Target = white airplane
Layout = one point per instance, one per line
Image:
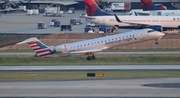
(96, 15)
(12, 5)
(149, 8)
(89, 47)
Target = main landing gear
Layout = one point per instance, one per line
(156, 41)
(89, 58)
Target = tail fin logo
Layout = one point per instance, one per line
(161, 7)
(92, 9)
(148, 5)
(40, 49)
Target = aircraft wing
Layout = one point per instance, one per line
(138, 24)
(143, 13)
(143, 25)
(86, 51)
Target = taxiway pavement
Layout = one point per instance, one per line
(92, 68)
(124, 88)
(19, 23)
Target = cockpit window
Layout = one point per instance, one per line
(151, 31)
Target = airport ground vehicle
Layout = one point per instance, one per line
(53, 12)
(75, 21)
(41, 25)
(55, 23)
(66, 27)
(118, 7)
(32, 12)
(71, 10)
(90, 24)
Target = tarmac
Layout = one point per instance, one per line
(117, 88)
(23, 24)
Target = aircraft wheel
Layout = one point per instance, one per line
(89, 58)
(156, 43)
(93, 57)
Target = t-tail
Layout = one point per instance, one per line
(148, 5)
(41, 49)
(92, 9)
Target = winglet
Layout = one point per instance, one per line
(117, 19)
(135, 13)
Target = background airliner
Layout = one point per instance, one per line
(158, 10)
(96, 15)
(147, 7)
(12, 5)
(89, 47)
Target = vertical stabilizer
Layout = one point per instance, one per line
(92, 9)
(148, 5)
(41, 49)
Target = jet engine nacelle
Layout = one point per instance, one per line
(60, 48)
(157, 28)
(52, 48)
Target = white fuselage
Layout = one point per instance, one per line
(164, 21)
(165, 13)
(156, 12)
(110, 41)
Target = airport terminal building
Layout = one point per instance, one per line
(79, 4)
(135, 4)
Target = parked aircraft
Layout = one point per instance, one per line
(96, 15)
(149, 7)
(89, 47)
(12, 5)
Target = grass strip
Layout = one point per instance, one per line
(38, 76)
(81, 60)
